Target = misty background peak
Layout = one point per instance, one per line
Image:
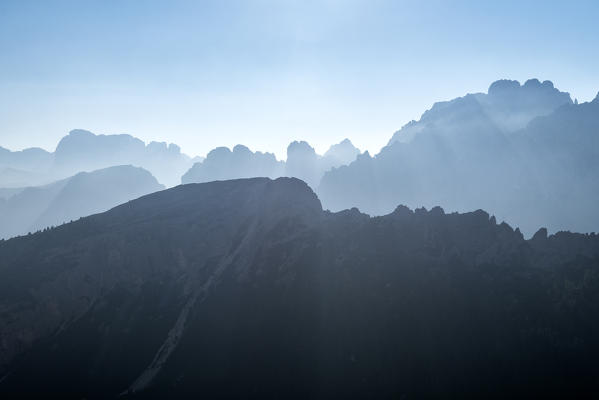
(522, 152)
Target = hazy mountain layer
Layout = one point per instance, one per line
(508, 106)
(248, 289)
(526, 153)
(5, 193)
(302, 162)
(222, 163)
(11, 178)
(86, 193)
(468, 154)
(81, 151)
(24, 168)
(33, 159)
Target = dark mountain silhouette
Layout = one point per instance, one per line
(81, 151)
(36, 208)
(302, 162)
(525, 153)
(247, 288)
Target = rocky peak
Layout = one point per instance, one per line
(502, 86)
(300, 148)
(540, 235)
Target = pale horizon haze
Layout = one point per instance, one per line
(203, 74)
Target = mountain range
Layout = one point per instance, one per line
(302, 162)
(526, 153)
(34, 208)
(83, 151)
(39, 206)
(247, 288)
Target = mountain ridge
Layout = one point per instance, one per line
(248, 286)
(302, 162)
(458, 156)
(35, 208)
(84, 151)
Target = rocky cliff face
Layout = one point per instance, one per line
(247, 288)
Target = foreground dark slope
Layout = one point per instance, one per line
(247, 288)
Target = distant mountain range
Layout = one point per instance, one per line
(27, 204)
(247, 288)
(81, 151)
(526, 153)
(34, 208)
(507, 107)
(302, 162)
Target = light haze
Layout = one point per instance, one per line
(204, 74)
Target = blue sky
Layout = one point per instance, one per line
(263, 73)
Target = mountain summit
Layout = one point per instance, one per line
(508, 106)
(523, 152)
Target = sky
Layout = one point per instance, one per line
(203, 74)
